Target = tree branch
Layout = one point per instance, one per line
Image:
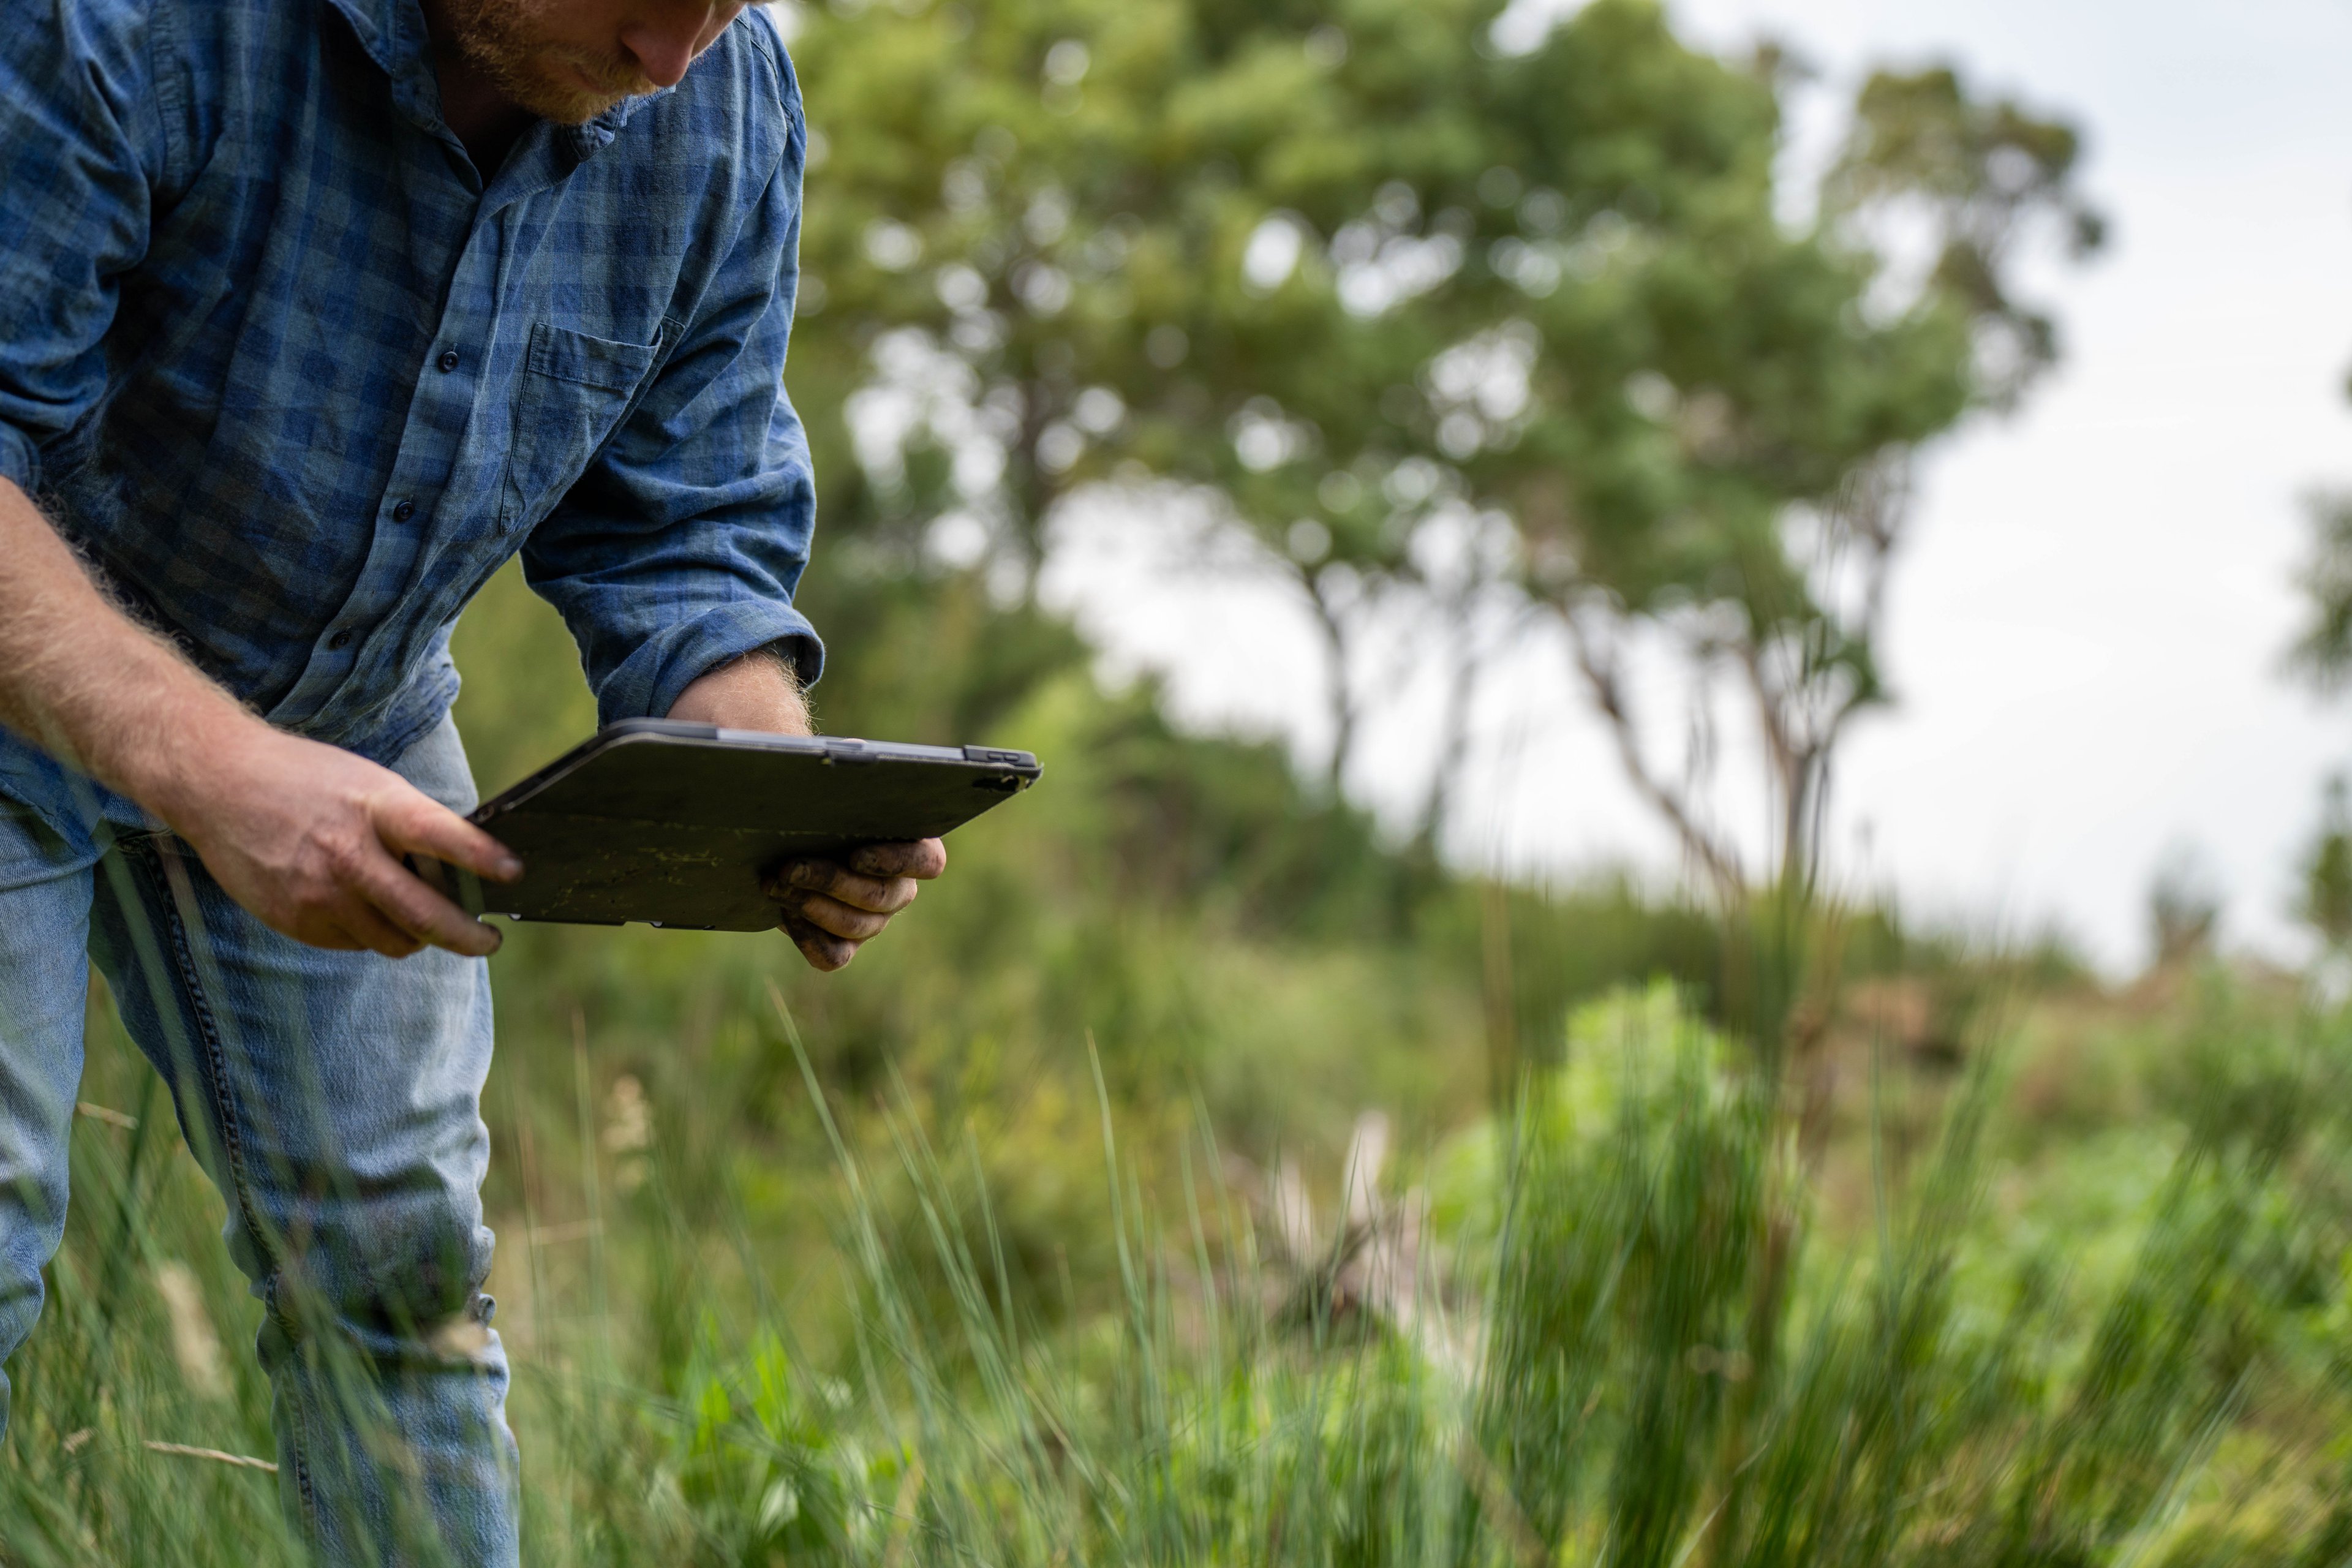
(1720, 863)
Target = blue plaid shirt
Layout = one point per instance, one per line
(297, 378)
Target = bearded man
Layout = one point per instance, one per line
(312, 313)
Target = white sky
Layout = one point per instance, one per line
(2086, 631)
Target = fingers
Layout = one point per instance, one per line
(329, 934)
(418, 913)
(824, 914)
(364, 928)
(923, 859)
(824, 951)
(411, 822)
(414, 823)
(877, 895)
(829, 908)
(840, 919)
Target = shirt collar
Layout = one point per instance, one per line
(391, 31)
(590, 137)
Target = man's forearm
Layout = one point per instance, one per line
(87, 684)
(757, 691)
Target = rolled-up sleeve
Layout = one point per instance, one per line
(81, 145)
(681, 546)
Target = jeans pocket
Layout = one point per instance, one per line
(576, 388)
(33, 850)
(436, 765)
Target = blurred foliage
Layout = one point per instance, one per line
(1988, 174)
(2321, 655)
(2327, 870)
(1491, 331)
(2320, 658)
(2184, 905)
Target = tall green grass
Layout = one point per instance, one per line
(1620, 1330)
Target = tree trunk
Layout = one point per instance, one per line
(1453, 740)
(1338, 694)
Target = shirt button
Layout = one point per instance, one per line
(404, 511)
(448, 359)
(340, 640)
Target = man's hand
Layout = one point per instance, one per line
(306, 837)
(829, 908)
(312, 839)
(832, 910)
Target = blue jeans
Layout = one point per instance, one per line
(333, 1098)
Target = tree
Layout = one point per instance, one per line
(2184, 906)
(1796, 447)
(2327, 870)
(2320, 658)
(1039, 248)
(1700, 422)
(1456, 334)
(2321, 655)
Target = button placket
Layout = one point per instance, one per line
(404, 509)
(389, 607)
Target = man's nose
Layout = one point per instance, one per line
(665, 42)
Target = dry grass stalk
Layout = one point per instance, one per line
(186, 1451)
(195, 1345)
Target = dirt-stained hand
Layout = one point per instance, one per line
(832, 908)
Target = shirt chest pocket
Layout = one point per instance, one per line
(575, 390)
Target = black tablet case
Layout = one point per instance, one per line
(677, 825)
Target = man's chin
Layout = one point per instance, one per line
(571, 106)
(564, 95)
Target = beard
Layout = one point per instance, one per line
(509, 42)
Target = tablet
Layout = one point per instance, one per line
(677, 825)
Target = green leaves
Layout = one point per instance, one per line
(1356, 274)
(1983, 176)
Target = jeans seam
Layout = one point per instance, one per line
(207, 1031)
(298, 1454)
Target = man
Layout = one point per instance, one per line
(311, 313)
